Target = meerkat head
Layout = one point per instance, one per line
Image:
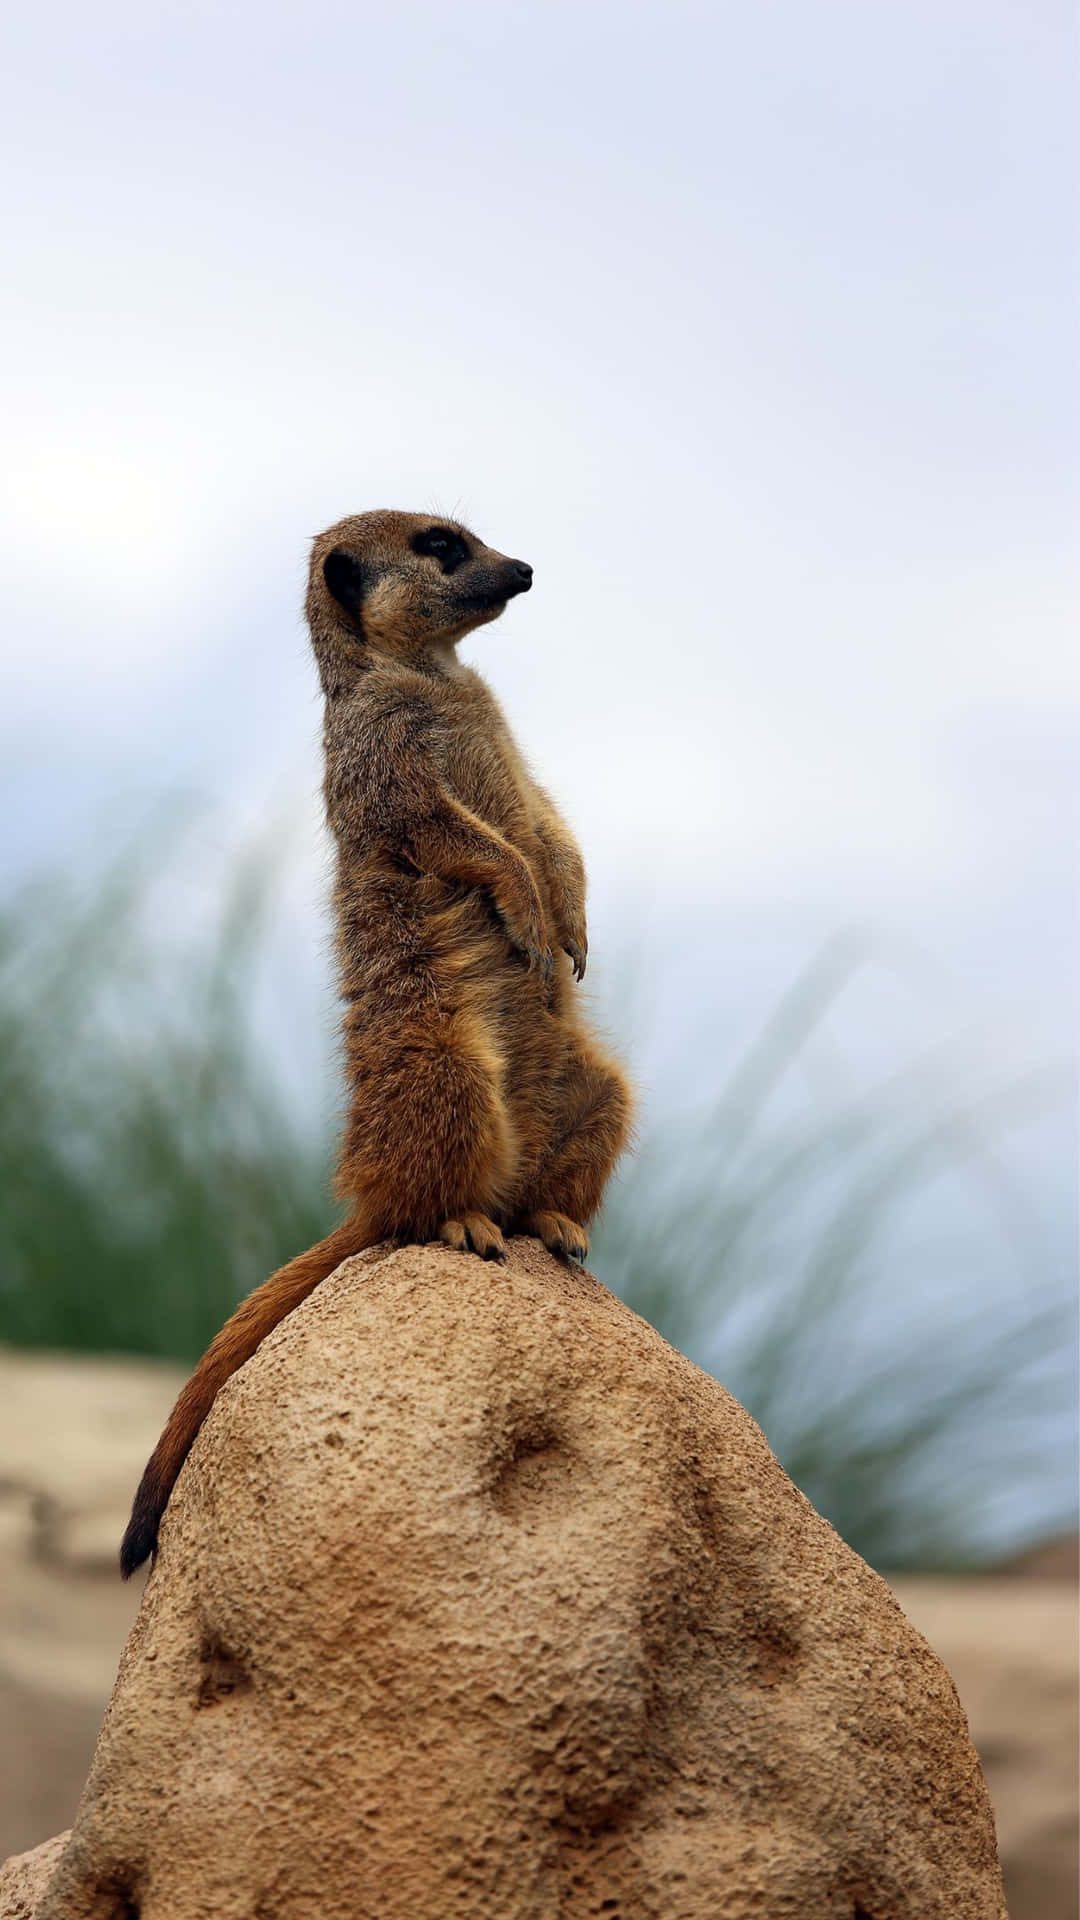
(403, 584)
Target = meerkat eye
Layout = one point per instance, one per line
(443, 545)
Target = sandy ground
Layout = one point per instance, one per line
(74, 1436)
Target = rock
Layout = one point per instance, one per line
(475, 1597)
(24, 1878)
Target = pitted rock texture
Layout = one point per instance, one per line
(25, 1877)
(476, 1598)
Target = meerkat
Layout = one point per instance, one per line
(480, 1104)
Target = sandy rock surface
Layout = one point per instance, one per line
(24, 1879)
(477, 1598)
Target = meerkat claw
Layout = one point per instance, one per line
(474, 1233)
(577, 957)
(560, 1235)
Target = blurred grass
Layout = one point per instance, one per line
(924, 1404)
(151, 1172)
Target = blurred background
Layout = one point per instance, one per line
(752, 330)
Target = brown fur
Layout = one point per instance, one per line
(480, 1103)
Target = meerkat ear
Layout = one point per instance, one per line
(347, 580)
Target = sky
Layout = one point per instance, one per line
(751, 328)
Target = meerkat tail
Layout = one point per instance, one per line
(254, 1318)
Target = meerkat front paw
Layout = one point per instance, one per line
(572, 937)
(579, 953)
(533, 945)
(528, 936)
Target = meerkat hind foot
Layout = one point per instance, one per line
(559, 1233)
(474, 1233)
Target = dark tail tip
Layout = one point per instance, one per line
(140, 1540)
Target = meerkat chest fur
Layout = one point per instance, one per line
(484, 763)
(396, 734)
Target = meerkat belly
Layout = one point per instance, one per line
(417, 954)
(408, 941)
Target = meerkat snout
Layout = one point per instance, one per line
(491, 581)
(513, 577)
